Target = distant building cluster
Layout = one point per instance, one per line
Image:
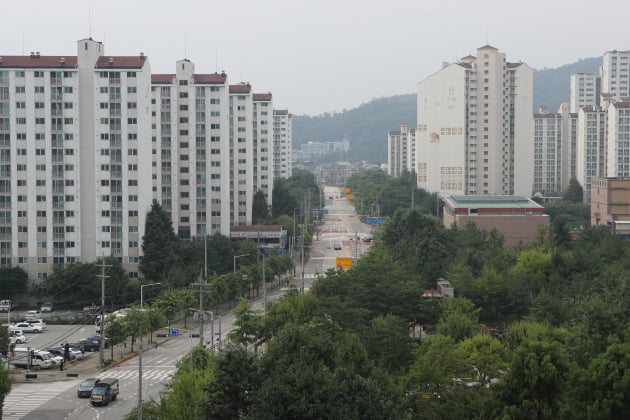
(314, 150)
(89, 141)
(476, 134)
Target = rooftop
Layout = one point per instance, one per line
(491, 201)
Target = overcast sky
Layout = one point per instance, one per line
(325, 55)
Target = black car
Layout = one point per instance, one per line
(86, 387)
(87, 345)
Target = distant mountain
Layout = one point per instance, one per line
(366, 126)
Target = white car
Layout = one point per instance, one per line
(27, 328)
(18, 339)
(37, 322)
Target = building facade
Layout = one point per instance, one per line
(282, 144)
(615, 74)
(88, 141)
(401, 150)
(475, 127)
(516, 217)
(610, 204)
(584, 91)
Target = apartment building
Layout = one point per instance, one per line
(75, 151)
(401, 150)
(263, 144)
(591, 147)
(615, 74)
(282, 144)
(555, 151)
(475, 127)
(191, 138)
(618, 139)
(584, 91)
(88, 141)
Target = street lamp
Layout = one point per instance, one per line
(142, 286)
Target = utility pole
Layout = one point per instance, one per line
(140, 352)
(102, 276)
(264, 293)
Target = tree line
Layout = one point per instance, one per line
(537, 331)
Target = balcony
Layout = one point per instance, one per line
(59, 251)
(5, 220)
(114, 96)
(56, 96)
(115, 127)
(56, 80)
(57, 173)
(114, 80)
(59, 220)
(56, 127)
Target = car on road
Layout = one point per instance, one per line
(105, 391)
(47, 307)
(27, 328)
(337, 247)
(31, 314)
(86, 387)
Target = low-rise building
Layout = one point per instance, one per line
(610, 204)
(516, 217)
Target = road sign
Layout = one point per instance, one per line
(174, 332)
(343, 262)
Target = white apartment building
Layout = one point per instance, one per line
(591, 147)
(475, 127)
(615, 74)
(401, 150)
(618, 140)
(263, 144)
(75, 151)
(282, 144)
(192, 147)
(584, 91)
(554, 150)
(87, 142)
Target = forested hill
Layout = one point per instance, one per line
(367, 125)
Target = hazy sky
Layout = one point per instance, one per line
(325, 55)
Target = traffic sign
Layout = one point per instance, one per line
(174, 332)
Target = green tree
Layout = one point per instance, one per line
(459, 319)
(485, 355)
(5, 386)
(260, 208)
(283, 200)
(117, 331)
(159, 245)
(534, 384)
(575, 192)
(14, 281)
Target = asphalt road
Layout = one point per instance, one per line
(57, 400)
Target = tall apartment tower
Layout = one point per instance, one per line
(591, 146)
(475, 127)
(618, 139)
(263, 144)
(554, 150)
(282, 144)
(401, 150)
(585, 91)
(74, 150)
(615, 74)
(191, 139)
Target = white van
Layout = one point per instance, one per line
(31, 314)
(22, 359)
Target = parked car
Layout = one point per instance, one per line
(78, 349)
(59, 351)
(86, 387)
(17, 337)
(37, 322)
(28, 328)
(87, 345)
(337, 247)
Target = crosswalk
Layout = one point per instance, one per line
(158, 374)
(26, 398)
